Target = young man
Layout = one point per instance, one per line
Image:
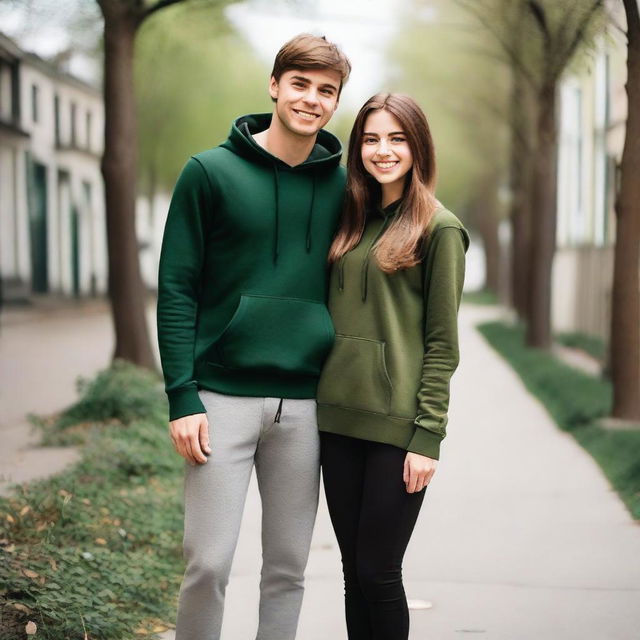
(243, 332)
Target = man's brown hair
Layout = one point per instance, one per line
(307, 51)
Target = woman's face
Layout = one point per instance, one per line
(385, 150)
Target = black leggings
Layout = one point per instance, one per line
(373, 517)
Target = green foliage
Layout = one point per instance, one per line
(482, 296)
(194, 75)
(99, 546)
(116, 396)
(576, 401)
(593, 345)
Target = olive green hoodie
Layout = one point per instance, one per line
(243, 272)
(387, 377)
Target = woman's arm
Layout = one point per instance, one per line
(443, 279)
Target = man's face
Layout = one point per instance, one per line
(305, 99)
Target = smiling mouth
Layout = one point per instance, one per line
(306, 115)
(386, 165)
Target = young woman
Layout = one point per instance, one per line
(398, 268)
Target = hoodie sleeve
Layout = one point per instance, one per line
(181, 262)
(444, 277)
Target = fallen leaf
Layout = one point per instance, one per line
(31, 628)
(101, 541)
(104, 510)
(53, 563)
(21, 607)
(159, 628)
(86, 501)
(30, 574)
(42, 525)
(10, 518)
(64, 493)
(116, 522)
(11, 548)
(141, 631)
(25, 510)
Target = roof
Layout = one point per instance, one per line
(11, 52)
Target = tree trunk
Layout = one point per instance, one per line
(486, 220)
(625, 297)
(126, 290)
(520, 185)
(520, 174)
(543, 220)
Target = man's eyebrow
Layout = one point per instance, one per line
(307, 81)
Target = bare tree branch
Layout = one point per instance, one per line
(578, 37)
(513, 55)
(538, 13)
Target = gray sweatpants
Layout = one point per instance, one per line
(242, 433)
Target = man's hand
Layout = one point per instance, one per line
(418, 471)
(190, 437)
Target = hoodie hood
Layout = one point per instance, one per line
(326, 152)
(324, 156)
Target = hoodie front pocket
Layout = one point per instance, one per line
(355, 375)
(268, 333)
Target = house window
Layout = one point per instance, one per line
(74, 113)
(88, 129)
(56, 115)
(35, 98)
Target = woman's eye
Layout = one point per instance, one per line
(397, 139)
(369, 140)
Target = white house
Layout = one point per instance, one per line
(593, 108)
(52, 227)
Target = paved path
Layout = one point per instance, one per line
(520, 538)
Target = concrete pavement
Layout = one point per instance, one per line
(520, 538)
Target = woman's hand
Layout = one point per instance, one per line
(418, 471)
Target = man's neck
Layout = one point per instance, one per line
(285, 145)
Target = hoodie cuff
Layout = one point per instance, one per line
(184, 402)
(426, 443)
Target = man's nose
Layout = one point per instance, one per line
(311, 96)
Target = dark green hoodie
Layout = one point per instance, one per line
(387, 378)
(243, 273)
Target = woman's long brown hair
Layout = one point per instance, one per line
(399, 247)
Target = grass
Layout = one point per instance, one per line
(576, 401)
(595, 346)
(481, 296)
(97, 548)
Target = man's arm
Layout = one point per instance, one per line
(181, 263)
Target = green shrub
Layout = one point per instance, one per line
(595, 346)
(98, 547)
(117, 396)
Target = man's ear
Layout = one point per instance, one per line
(273, 88)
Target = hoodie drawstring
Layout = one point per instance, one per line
(276, 243)
(364, 274)
(310, 216)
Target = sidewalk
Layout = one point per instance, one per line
(520, 537)
(43, 350)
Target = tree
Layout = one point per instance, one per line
(122, 20)
(465, 103)
(625, 297)
(554, 32)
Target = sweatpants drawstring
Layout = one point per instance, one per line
(279, 411)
